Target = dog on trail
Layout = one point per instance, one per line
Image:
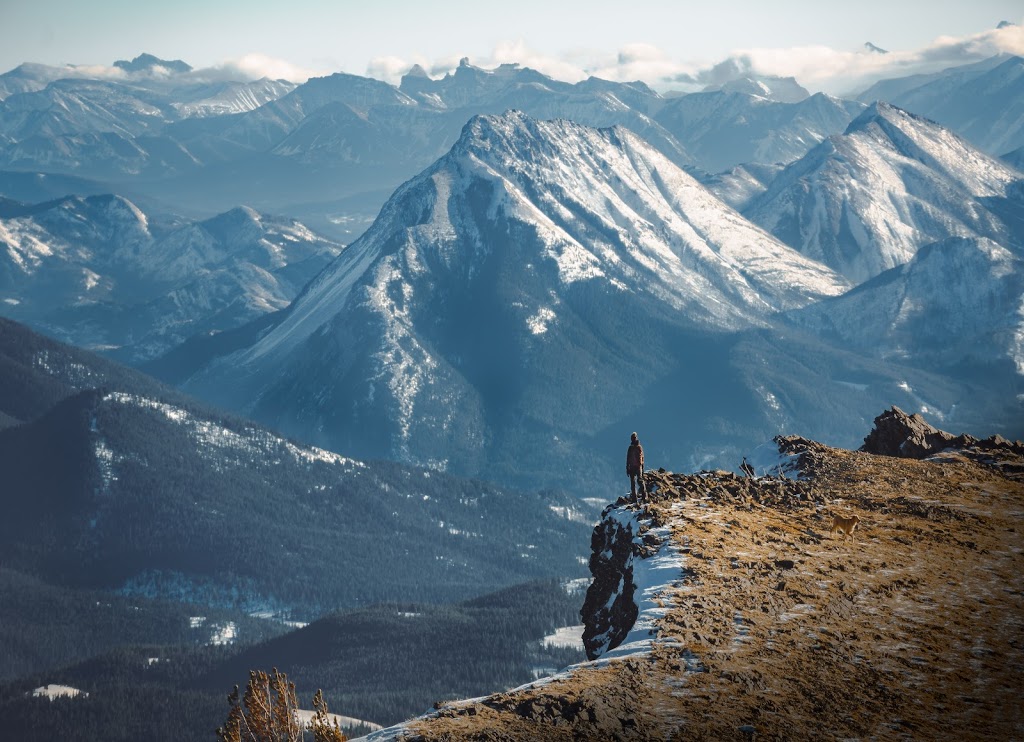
(845, 526)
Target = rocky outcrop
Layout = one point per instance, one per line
(911, 437)
(630, 531)
(609, 610)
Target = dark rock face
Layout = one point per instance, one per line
(911, 437)
(905, 436)
(609, 610)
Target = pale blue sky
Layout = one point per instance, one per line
(381, 37)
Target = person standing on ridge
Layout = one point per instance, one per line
(635, 465)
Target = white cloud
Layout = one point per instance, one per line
(255, 66)
(95, 71)
(823, 68)
(815, 67)
(510, 52)
(243, 69)
(632, 62)
(391, 69)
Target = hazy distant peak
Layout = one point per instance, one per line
(874, 49)
(601, 83)
(235, 218)
(1005, 24)
(146, 62)
(417, 71)
(770, 87)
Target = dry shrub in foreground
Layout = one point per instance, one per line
(267, 713)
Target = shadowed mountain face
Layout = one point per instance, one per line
(117, 483)
(723, 129)
(955, 302)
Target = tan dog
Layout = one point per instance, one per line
(844, 525)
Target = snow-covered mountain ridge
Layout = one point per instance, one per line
(95, 270)
(602, 205)
(983, 102)
(865, 201)
(955, 301)
(530, 240)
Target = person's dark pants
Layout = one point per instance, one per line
(633, 477)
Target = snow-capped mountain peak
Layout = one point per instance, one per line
(866, 201)
(507, 253)
(934, 146)
(598, 204)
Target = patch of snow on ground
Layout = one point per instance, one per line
(224, 633)
(798, 610)
(305, 718)
(567, 636)
(768, 461)
(653, 577)
(570, 513)
(105, 459)
(579, 585)
(57, 691)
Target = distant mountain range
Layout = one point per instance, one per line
(865, 201)
(983, 102)
(461, 329)
(98, 272)
(724, 128)
(545, 285)
(332, 149)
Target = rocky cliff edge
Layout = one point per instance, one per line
(724, 607)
